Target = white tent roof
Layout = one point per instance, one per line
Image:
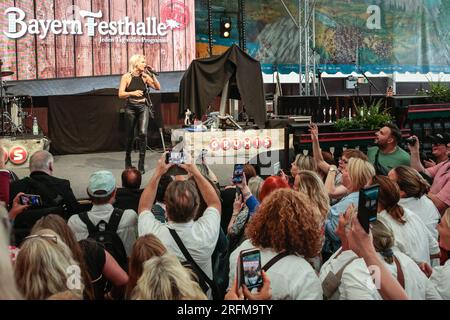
(397, 77)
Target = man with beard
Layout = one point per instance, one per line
(387, 155)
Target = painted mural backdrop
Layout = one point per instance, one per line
(379, 35)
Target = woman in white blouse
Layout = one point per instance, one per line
(402, 267)
(412, 237)
(360, 282)
(440, 275)
(413, 193)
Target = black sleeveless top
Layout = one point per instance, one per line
(136, 83)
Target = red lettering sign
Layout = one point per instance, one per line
(247, 143)
(267, 142)
(237, 144)
(257, 143)
(18, 155)
(226, 144)
(214, 145)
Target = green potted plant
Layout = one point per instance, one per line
(366, 117)
(438, 91)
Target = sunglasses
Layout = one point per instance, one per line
(43, 236)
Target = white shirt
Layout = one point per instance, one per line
(356, 282)
(417, 285)
(441, 280)
(126, 230)
(413, 237)
(199, 237)
(425, 209)
(291, 278)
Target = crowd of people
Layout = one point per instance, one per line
(181, 236)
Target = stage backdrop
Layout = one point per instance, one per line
(382, 35)
(77, 38)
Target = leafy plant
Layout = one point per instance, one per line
(366, 117)
(438, 91)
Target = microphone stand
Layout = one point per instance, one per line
(369, 81)
(321, 84)
(152, 112)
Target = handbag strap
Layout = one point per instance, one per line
(189, 258)
(274, 260)
(400, 275)
(342, 269)
(381, 170)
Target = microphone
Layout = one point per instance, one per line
(150, 70)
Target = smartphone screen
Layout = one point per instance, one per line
(251, 268)
(238, 173)
(31, 199)
(175, 157)
(368, 205)
(276, 168)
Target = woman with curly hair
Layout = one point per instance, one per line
(286, 222)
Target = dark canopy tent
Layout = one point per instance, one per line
(205, 79)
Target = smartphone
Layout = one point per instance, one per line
(238, 173)
(31, 199)
(175, 157)
(276, 168)
(368, 205)
(250, 268)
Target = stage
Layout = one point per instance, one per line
(78, 167)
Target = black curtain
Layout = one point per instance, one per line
(205, 79)
(83, 124)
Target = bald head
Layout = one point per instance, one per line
(42, 161)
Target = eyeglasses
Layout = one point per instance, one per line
(343, 160)
(43, 236)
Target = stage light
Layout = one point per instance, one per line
(225, 27)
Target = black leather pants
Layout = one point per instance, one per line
(137, 118)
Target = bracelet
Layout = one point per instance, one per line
(332, 170)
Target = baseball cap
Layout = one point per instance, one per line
(440, 138)
(101, 184)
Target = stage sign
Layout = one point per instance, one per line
(17, 152)
(232, 146)
(79, 38)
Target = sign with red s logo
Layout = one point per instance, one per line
(18, 155)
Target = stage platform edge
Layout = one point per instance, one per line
(18, 150)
